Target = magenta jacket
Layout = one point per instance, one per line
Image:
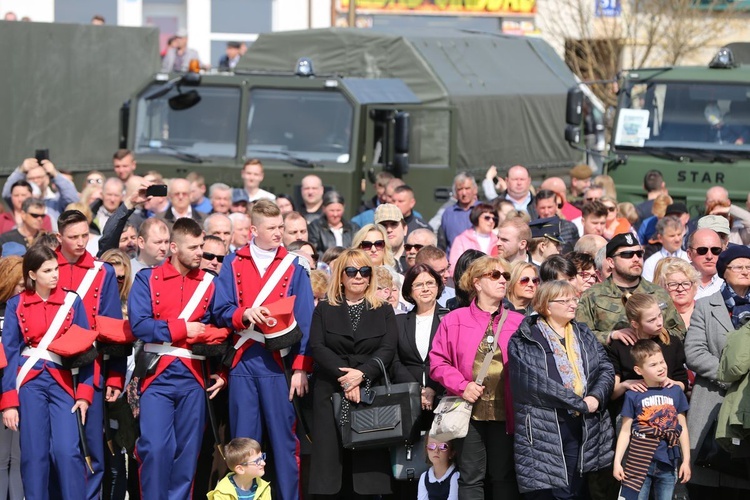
(455, 347)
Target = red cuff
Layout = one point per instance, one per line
(177, 329)
(302, 362)
(86, 392)
(237, 321)
(115, 379)
(224, 374)
(9, 400)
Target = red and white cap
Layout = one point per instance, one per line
(280, 329)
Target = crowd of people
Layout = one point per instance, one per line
(141, 330)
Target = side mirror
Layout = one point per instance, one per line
(401, 133)
(184, 101)
(400, 164)
(574, 106)
(573, 134)
(124, 124)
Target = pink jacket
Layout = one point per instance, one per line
(467, 241)
(455, 347)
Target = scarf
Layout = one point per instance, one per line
(641, 452)
(738, 307)
(567, 357)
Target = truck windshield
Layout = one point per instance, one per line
(690, 115)
(315, 125)
(209, 128)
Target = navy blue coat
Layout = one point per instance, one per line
(538, 448)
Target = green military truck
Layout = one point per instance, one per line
(690, 123)
(63, 85)
(345, 104)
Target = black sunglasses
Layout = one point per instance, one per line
(36, 216)
(212, 256)
(120, 278)
(704, 250)
(366, 245)
(409, 246)
(496, 275)
(364, 271)
(629, 254)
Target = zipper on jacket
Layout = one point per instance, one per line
(585, 429)
(557, 422)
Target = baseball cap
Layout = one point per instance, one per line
(388, 212)
(676, 209)
(716, 222)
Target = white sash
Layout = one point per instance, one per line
(40, 351)
(187, 311)
(252, 333)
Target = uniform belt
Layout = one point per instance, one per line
(42, 354)
(253, 334)
(168, 350)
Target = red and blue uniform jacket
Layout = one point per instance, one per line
(238, 285)
(156, 300)
(26, 321)
(102, 299)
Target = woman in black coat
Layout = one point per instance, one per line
(347, 332)
(331, 230)
(416, 329)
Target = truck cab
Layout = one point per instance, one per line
(690, 123)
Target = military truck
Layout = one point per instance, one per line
(690, 123)
(63, 85)
(345, 104)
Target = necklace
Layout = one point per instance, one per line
(352, 302)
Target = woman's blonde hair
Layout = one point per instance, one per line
(83, 208)
(608, 185)
(477, 269)
(383, 277)
(628, 211)
(319, 282)
(661, 203)
(636, 304)
(11, 272)
(88, 193)
(516, 270)
(117, 256)
(672, 265)
(549, 291)
(360, 235)
(353, 257)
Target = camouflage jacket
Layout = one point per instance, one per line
(602, 310)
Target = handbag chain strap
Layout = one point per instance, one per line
(491, 353)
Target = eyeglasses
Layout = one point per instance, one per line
(120, 278)
(366, 245)
(573, 301)
(489, 217)
(409, 246)
(436, 446)
(36, 216)
(424, 284)
(364, 271)
(611, 209)
(704, 250)
(525, 280)
(496, 275)
(256, 462)
(212, 256)
(94, 180)
(590, 198)
(674, 286)
(629, 254)
(586, 276)
(739, 269)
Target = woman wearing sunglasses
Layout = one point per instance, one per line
(347, 332)
(714, 317)
(480, 236)
(459, 348)
(522, 286)
(561, 380)
(373, 240)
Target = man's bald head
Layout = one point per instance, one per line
(555, 184)
(717, 194)
(590, 244)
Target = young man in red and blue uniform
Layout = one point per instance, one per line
(100, 298)
(259, 274)
(167, 306)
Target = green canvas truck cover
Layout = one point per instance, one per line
(508, 92)
(62, 88)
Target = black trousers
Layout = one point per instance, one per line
(485, 459)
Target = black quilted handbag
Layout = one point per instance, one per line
(384, 418)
